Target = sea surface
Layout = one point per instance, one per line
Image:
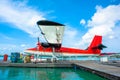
(69, 58)
(13, 73)
(97, 58)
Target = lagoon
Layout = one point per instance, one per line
(15, 73)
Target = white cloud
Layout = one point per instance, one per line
(82, 22)
(103, 22)
(23, 45)
(20, 15)
(8, 48)
(71, 37)
(6, 37)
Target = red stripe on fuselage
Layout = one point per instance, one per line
(63, 50)
(95, 42)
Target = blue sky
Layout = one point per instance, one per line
(83, 19)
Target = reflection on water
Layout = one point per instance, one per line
(12, 73)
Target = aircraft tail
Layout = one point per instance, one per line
(96, 45)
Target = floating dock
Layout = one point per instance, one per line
(110, 72)
(56, 64)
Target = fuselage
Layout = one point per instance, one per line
(63, 51)
(52, 50)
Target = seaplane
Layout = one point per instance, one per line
(53, 33)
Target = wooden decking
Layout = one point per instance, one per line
(104, 70)
(110, 72)
(39, 65)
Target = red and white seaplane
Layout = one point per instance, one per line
(53, 33)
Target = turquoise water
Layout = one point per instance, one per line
(97, 58)
(13, 73)
(70, 58)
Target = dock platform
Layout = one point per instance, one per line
(39, 65)
(108, 71)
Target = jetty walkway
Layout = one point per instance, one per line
(56, 64)
(110, 72)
